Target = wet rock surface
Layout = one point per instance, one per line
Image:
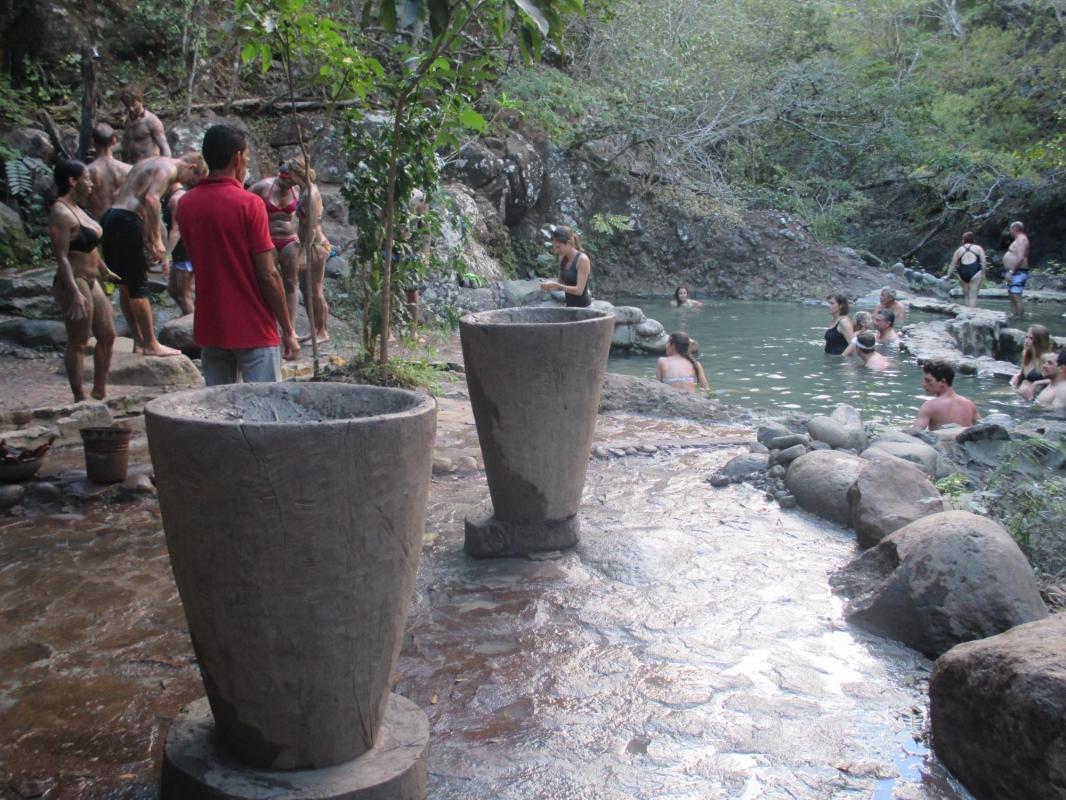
(689, 647)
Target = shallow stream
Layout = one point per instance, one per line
(770, 354)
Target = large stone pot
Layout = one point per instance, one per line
(535, 376)
(294, 518)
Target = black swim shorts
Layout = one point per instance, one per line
(123, 246)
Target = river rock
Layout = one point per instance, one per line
(635, 395)
(916, 452)
(770, 431)
(16, 250)
(788, 440)
(820, 480)
(133, 369)
(627, 315)
(887, 496)
(11, 494)
(177, 333)
(87, 414)
(34, 332)
(836, 434)
(943, 579)
(789, 454)
(187, 134)
(983, 432)
(744, 465)
(998, 712)
(522, 293)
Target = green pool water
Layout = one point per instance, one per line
(770, 354)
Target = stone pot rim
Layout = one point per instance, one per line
(579, 316)
(163, 407)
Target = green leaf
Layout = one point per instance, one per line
(469, 118)
(248, 52)
(534, 14)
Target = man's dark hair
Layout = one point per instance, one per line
(1061, 358)
(220, 144)
(103, 135)
(890, 316)
(940, 370)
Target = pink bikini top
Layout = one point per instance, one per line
(273, 209)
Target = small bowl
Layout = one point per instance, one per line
(18, 471)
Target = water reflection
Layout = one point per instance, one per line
(769, 354)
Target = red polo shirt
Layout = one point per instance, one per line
(223, 226)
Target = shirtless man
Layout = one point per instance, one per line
(133, 236)
(144, 136)
(1052, 388)
(1016, 262)
(884, 324)
(945, 406)
(282, 197)
(889, 302)
(866, 349)
(106, 172)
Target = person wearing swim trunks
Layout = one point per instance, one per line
(107, 172)
(144, 136)
(970, 263)
(132, 237)
(86, 309)
(281, 195)
(180, 281)
(679, 368)
(1016, 262)
(314, 248)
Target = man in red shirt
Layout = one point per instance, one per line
(240, 299)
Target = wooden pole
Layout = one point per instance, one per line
(88, 100)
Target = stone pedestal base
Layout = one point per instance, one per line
(196, 767)
(488, 537)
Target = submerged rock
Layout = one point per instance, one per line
(998, 712)
(941, 580)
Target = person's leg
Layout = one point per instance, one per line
(972, 288)
(218, 366)
(288, 263)
(179, 286)
(141, 308)
(317, 293)
(78, 332)
(131, 319)
(259, 364)
(413, 302)
(103, 329)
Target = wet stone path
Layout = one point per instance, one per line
(688, 648)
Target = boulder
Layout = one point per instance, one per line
(132, 369)
(522, 293)
(628, 315)
(788, 440)
(187, 135)
(770, 431)
(789, 454)
(177, 333)
(943, 579)
(16, 249)
(820, 480)
(11, 495)
(886, 496)
(743, 465)
(87, 414)
(842, 430)
(916, 452)
(998, 712)
(983, 432)
(634, 395)
(34, 332)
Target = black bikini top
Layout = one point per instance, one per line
(86, 241)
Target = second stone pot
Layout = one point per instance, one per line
(535, 376)
(294, 517)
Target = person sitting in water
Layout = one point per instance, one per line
(682, 299)
(678, 368)
(864, 321)
(866, 349)
(1037, 344)
(1052, 394)
(840, 333)
(970, 263)
(945, 407)
(890, 303)
(885, 326)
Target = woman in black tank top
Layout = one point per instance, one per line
(574, 269)
(839, 334)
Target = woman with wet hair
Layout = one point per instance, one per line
(840, 333)
(679, 368)
(86, 309)
(682, 299)
(970, 264)
(1037, 344)
(313, 241)
(574, 268)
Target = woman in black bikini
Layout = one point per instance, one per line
(76, 288)
(970, 262)
(1037, 345)
(574, 269)
(840, 333)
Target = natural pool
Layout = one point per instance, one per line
(769, 354)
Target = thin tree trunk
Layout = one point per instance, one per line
(88, 101)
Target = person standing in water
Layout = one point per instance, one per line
(1016, 262)
(970, 263)
(841, 332)
(574, 269)
(678, 368)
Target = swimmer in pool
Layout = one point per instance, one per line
(678, 368)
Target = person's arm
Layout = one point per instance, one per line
(954, 265)
(273, 292)
(174, 231)
(1033, 390)
(660, 369)
(1016, 380)
(850, 349)
(702, 377)
(924, 419)
(984, 258)
(584, 267)
(59, 231)
(846, 329)
(159, 135)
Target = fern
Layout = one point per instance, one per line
(19, 173)
(611, 224)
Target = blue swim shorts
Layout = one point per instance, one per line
(1016, 281)
(182, 266)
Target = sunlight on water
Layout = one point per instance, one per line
(770, 354)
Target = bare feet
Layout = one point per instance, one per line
(322, 338)
(161, 351)
(79, 398)
(99, 394)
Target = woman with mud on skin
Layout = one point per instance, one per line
(970, 263)
(312, 239)
(840, 333)
(678, 368)
(1037, 345)
(574, 269)
(86, 309)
